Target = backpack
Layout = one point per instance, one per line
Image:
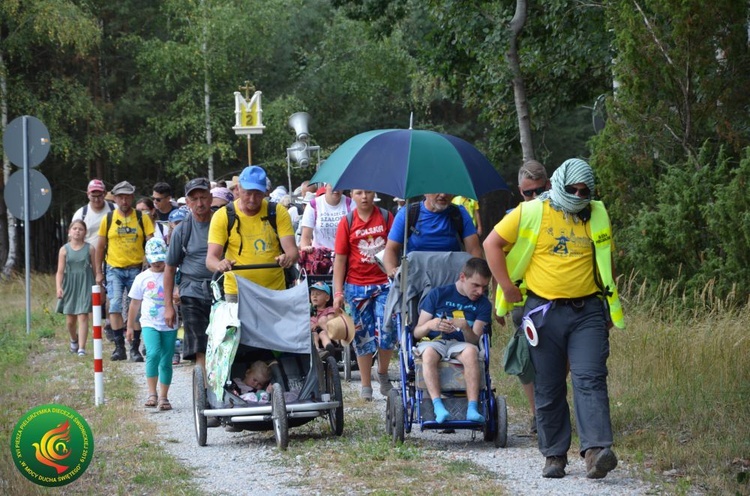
(232, 220)
(350, 217)
(139, 218)
(316, 263)
(454, 213)
(86, 209)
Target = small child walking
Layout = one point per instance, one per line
(322, 311)
(74, 278)
(147, 295)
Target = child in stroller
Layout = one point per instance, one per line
(322, 311)
(255, 387)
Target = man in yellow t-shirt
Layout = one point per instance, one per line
(121, 246)
(471, 206)
(252, 239)
(565, 305)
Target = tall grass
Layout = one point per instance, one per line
(680, 385)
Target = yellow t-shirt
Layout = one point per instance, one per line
(259, 244)
(562, 265)
(471, 206)
(125, 238)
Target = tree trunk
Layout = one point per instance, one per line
(7, 235)
(519, 88)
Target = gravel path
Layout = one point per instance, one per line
(246, 454)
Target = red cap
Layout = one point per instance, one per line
(321, 191)
(96, 185)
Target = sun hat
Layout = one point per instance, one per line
(253, 178)
(321, 286)
(341, 328)
(223, 194)
(308, 197)
(156, 250)
(96, 185)
(197, 183)
(123, 188)
(179, 214)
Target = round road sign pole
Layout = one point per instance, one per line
(26, 230)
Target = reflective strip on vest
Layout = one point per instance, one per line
(528, 233)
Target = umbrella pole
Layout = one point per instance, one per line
(404, 263)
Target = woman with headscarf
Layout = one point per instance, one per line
(562, 247)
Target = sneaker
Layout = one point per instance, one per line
(385, 383)
(599, 462)
(73, 346)
(366, 393)
(554, 468)
(81, 352)
(175, 359)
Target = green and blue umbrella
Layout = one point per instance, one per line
(409, 163)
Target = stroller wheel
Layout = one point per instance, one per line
(199, 405)
(333, 387)
(279, 415)
(501, 422)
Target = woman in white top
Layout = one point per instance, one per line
(321, 218)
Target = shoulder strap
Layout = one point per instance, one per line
(185, 232)
(314, 206)
(139, 218)
(108, 222)
(413, 217)
(84, 211)
(271, 216)
(231, 219)
(386, 215)
(350, 217)
(457, 223)
(111, 205)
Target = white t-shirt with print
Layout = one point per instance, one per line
(93, 220)
(149, 288)
(324, 220)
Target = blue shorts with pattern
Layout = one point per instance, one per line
(119, 282)
(367, 305)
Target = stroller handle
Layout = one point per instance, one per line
(273, 265)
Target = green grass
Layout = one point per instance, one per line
(37, 368)
(679, 391)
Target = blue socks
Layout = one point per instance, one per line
(441, 414)
(472, 413)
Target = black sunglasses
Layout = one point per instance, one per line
(584, 192)
(532, 192)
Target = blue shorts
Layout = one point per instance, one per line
(119, 282)
(367, 304)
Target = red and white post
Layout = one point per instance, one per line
(96, 296)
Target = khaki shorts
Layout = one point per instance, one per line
(446, 349)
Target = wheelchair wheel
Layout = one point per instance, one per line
(199, 405)
(279, 417)
(333, 387)
(346, 357)
(501, 422)
(397, 416)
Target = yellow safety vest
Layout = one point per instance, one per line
(528, 233)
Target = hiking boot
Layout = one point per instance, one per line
(135, 353)
(119, 353)
(599, 462)
(109, 333)
(554, 468)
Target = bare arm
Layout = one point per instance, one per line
(99, 265)
(493, 248)
(471, 243)
(214, 260)
(427, 323)
(290, 255)
(478, 218)
(135, 305)
(169, 313)
(391, 256)
(305, 242)
(60, 271)
(339, 276)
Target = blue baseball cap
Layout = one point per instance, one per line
(253, 177)
(321, 286)
(179, 214)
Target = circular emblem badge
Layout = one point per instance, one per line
(52, 445)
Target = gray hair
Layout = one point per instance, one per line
(531, 169)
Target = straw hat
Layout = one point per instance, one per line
(341, 328)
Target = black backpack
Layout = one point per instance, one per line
(139, 218)
(350, 217)
(232, 220)
(85, 210)
(454, 213)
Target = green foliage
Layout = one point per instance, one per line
(698, 232)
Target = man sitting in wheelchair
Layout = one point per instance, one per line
(452, 319)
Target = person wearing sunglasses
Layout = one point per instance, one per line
(562, 249)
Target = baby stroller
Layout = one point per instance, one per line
(272, 326)
(411, 403)
(318, 266)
